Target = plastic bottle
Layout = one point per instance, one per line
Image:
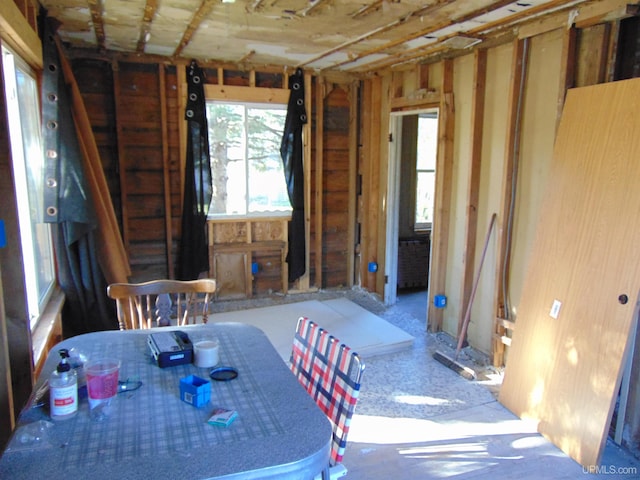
(63, 389)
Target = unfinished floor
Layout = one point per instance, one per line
(417, 419)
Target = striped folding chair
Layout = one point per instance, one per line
(330, 372)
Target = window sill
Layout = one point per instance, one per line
(252, 216)
(48, 330)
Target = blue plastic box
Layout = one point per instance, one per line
(195, 391)
(440, 301)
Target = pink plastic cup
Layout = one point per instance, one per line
(102, 386)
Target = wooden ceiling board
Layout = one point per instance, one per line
(564, 372)
(347, 35)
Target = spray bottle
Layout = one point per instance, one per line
(63, 388)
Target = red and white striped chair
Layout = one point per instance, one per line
(330, 372)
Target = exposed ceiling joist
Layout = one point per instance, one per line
(205, 8)
(356, 36)
(145, 29)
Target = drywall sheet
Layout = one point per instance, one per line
(573, 321)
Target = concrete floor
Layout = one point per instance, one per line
(417, 419)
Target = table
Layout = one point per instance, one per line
(152, 434)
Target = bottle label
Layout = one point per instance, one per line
(64, 400)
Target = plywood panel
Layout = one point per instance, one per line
(564, 372)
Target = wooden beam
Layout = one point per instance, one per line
(166, 170)
(422, 72)
(96, 10)
(247, 94)
(442, 201)
(313, 4)
(581, 16)
(19, 35)
(426, 31)
(473, 184)
(381, 175)
(303, 282)
(181, 82)
(319, 108)
(423, 99)
(605, 11)
(508, 189)
(367, 9)
(203, 10)
(353, 166)
(145, 29)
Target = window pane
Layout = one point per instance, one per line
(427, 141)
(267, 189)
(424, 198)
(28, 165)
(227, 148)
(247, 170)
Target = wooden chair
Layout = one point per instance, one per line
(161, 303)
(330, 372)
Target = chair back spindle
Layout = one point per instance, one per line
(160, 303)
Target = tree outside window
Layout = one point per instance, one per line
(244, 142)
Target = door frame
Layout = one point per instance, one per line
(393, 204)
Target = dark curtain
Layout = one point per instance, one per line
(193, 257)
(291, 151)
(69, 206)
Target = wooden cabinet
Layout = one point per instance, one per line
(248, 256)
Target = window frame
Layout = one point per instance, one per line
(244, 95)
(421, 227)
(38, 291)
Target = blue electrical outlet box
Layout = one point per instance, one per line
(3, 235)
(440, 301)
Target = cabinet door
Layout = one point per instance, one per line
(230, 272)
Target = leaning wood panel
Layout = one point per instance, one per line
(565, 372)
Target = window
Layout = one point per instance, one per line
(247, 171)
(21, 90)
(426, 169)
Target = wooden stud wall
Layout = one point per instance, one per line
(473, 187)
(136, 115)
(442, 201)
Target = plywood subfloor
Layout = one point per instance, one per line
(564, 372)
(353, 325)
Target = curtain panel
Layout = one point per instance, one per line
(291, 151)
(193, 255)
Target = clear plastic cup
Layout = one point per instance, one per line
(102, 386)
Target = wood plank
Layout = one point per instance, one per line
(246, 94)
(303, 282)
(19, 35)
(166, 170)
(319, 178)
(473, 184)
(421, 100)
(519, 66)
(564, 369)
(353, 93)
(442, 200)
(181, 83)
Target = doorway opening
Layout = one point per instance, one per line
(411, 193)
